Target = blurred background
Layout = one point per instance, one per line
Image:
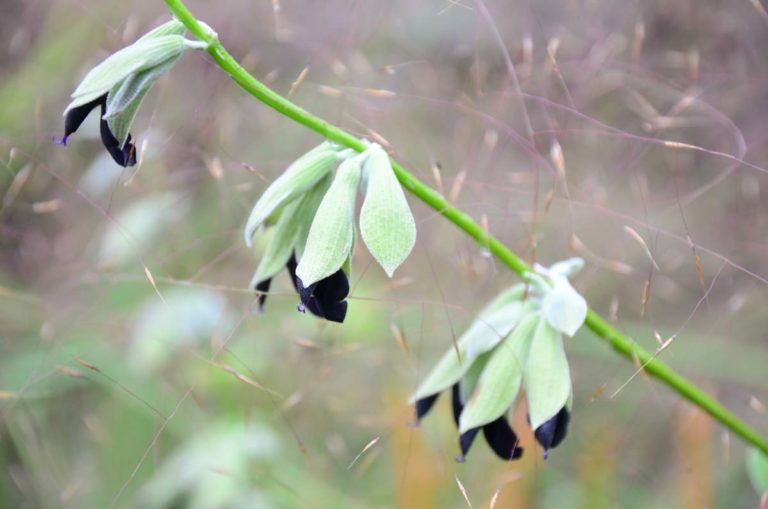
(135, 372)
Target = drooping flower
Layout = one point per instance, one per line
(324, 299)
(516, 342)
(124, 155)
(118, 85)
(293, 218)
(314, 214)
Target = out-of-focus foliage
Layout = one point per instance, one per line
(136, 372)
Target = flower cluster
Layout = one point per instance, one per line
(313, 213)
(118, 85)
(515, 343)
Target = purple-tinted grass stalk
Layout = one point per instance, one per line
(597, 324)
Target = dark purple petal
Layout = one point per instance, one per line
(77, 115)
(262, 287)
(125, 155)
(465, 442)
(551, 433)
(291, 266)
(502, 439)
(466, 438)
(326, 297)
(424, 405)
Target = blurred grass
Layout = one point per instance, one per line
(106, 390)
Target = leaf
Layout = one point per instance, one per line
(564, 308)
(300, 176)
(547, 376)
(483, 335)
(137, 57)
(289, 231)
(500, 381)
(124, 99)
(757, 470)
(332, 233)
(386, 222)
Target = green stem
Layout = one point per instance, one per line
(602, 329)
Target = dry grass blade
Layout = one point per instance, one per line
(298, 81)
(636, 236)
(463, 491)
(368, 446)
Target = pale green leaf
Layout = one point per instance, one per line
(137, 57)
(293, 224)
(499, 383)
(564, 308)
(386, 222)
(124, 99)
(547, 376)
(482, 336)
(757, 470)
(332, 233)
(300, 176)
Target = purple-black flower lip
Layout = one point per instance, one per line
(124, 155)
(499, 435)
(325, 298)
(551, 433)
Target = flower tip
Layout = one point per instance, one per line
(62, 141)
(546, 454)
(461, 458)
(301, 308)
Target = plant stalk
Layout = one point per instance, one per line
(597, 324)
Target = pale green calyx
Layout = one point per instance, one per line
(332, 234)
(497, 320)
(290, 233)
(499, 384)
(127, 75)
(516, 343)
(164, 43)
(562, 305)
(296, 180)
(386, 222)
(547, 376)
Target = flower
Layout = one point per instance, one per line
(516, 342)
(124, 155)
(313, 210)
(498, 433)
(551, 433)
(119, 84)
(324, 299)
